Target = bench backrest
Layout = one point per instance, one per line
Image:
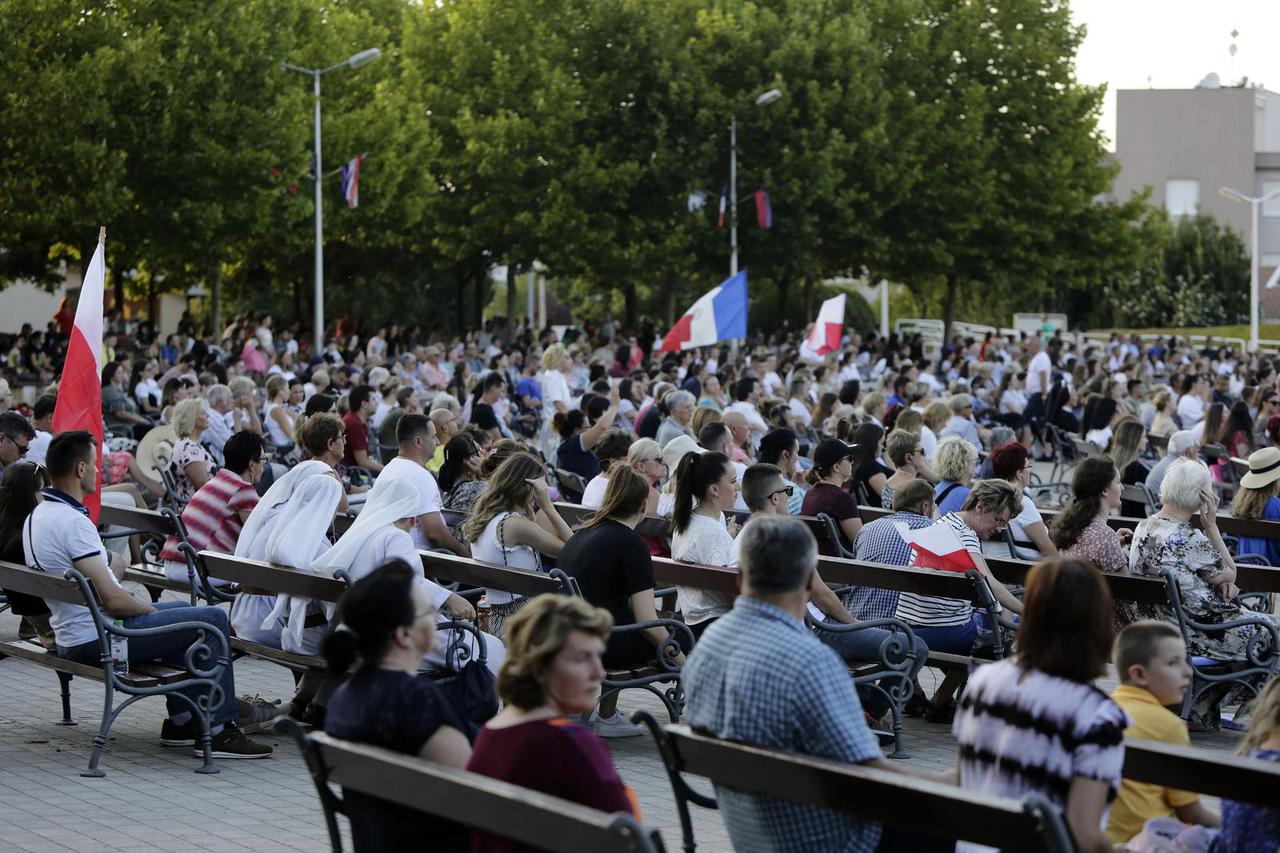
(451, 567)
(530, 817)
(135, 518)
(342, 521)
(40, 584)
(1217, 774)
(877, 794)
(1249, 578)
(278, 579)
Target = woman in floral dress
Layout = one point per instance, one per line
(1081, 530)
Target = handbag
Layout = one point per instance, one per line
(471, 690)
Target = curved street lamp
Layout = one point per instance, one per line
(356, 60)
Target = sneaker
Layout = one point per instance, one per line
(257, 713)
(231, 743)
(615, 726)
(183, 735)
(313, 716)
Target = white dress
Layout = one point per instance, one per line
(487, 550)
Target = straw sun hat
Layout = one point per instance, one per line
(1264, 468)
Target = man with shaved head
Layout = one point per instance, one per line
(740, 429)
(447, 424)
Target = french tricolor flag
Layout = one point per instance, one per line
(351, 181)
(720, 315)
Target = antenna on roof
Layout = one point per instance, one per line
(1235, 34)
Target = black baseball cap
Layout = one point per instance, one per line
(831, 451)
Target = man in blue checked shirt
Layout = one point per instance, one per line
(880, 542)
(759, 676)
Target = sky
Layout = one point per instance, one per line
(1175, 43)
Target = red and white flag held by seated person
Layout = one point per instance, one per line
(936, 547)
(80, 387)
(825, 335)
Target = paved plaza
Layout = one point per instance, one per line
(151, 800)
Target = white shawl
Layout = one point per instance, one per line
(258, 527)
(296, 539)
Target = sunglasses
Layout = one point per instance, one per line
(785, 490)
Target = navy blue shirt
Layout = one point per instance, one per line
(572, 456)
(399, 712)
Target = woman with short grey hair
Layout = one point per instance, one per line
(954, 462)
(679, 414)
(1205, 573)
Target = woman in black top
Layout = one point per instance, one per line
(611, 564)
(388, 624)
(23, 483)
(868, 472)
(578, 437)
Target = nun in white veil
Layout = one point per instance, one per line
(249, 610)
(381, 534)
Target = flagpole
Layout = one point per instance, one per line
(733, 196)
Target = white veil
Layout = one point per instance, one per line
(296, 539)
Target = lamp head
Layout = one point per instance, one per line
(364, 57)
(766, 98)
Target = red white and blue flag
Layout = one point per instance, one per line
(80, 387)
(720, 315)
(724, 204)
(764, 210)
(351, 182)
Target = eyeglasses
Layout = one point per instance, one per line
(263, 460)
(22, 448)
(785, 490)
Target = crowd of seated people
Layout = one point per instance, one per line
(271, 437)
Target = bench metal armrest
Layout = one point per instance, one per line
(458, 650)
(207, 590)
(1258, 602)
(210, 644)
(1258, 652)
(666, 651)
(895, 651)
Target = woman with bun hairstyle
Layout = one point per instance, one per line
(706, 488)
(387, 625)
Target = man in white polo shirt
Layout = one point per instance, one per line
(416, 435)
(59, 536)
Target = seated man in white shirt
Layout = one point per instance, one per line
(416, 435)
(1194, 399)
(42, 423)
(59, 536)
(746, 391)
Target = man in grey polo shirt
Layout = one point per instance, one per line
(1182, 445)
(59, 536)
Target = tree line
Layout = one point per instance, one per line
(943, 144)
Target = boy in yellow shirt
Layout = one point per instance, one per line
(1151, 660)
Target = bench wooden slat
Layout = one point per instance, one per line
(877, 794)
(136, 518)
(147, 674)
(451, 567)
(40, 584)
(288, 659)
(470, 798)
(278, 579)
(722, 579)
(1232, 777)
(147, 577)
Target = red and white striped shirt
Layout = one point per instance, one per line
(212, 518)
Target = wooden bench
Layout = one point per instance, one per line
(280, 580)
(874, 794)
(520, 814)
(465, 570)
(144, 678)
(1216, 774)
(159, 525)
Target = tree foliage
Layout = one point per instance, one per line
(944, 144)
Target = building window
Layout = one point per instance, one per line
(1181, 196)
(1271, 207)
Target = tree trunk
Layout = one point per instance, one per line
(512, 272)
(808, 298)
(462, 303)
(215, 296)
(948, 311)
(629, 312)
(784, 307)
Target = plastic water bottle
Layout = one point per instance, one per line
(119, 650)
(482, 613)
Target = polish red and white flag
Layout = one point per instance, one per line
(80, 388)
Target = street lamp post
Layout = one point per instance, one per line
(1254, 259)
(364, 57)
(763, 99)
